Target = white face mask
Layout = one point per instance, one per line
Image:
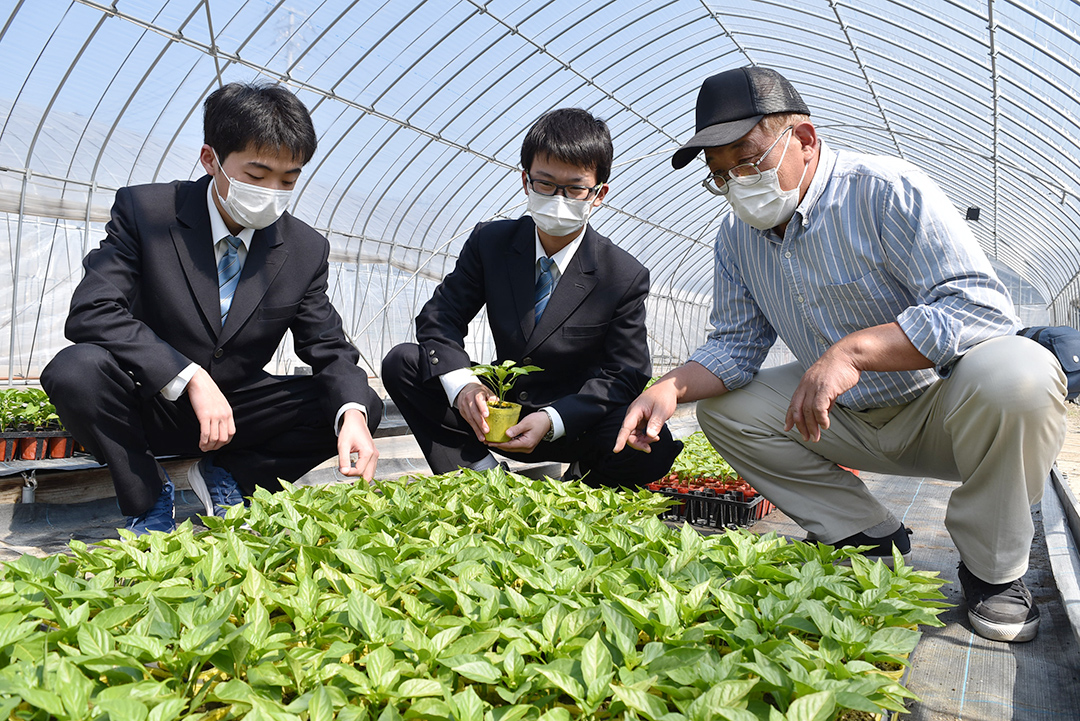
(764, 205)
(252, 206)
(558, 216)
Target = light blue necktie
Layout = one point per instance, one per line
(545, 283)
(228, 271)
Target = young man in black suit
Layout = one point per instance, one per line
(584, 325)
(185, 302)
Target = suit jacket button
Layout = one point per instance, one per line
(526, 361)
(434, 361)
(523, 396)
(218, 353)
(431, 352)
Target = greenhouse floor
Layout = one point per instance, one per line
(955, 673)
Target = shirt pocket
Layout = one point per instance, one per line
(870, 300)
(277, 312)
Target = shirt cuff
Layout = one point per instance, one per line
(719, 362)
(558, 428)
(341, 412)
(454, 381)
(176, 387)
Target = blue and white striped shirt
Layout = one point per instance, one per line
(873, 241)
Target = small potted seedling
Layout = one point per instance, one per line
(502, 414)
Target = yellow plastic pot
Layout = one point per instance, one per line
(501, 415)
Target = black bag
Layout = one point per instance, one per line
(1064, 342)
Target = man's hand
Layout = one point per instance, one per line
(472, 404)
(527, 434)
(355, 437)
(646, 416)
(821, 384)
(216, 424)
(652, 409)
(878, 348)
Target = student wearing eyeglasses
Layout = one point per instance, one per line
(559, 296)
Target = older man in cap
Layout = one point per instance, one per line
(907, 362)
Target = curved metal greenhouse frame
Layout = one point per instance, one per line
(421, 108)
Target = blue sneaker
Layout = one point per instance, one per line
(214, 486)
(158, 518)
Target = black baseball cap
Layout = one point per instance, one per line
(731, 103)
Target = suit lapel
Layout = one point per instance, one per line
(520, 277)
(573, 287)
(195, 249)
(265, 258)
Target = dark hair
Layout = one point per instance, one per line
(573, 136)
(264, 117)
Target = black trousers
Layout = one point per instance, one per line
(449, 443)
(281, 427)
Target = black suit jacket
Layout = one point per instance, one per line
(591, 340)
(150, 297)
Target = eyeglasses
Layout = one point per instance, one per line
(743, 174)
(573, 192)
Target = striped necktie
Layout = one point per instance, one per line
(545, 283)
(228, 271)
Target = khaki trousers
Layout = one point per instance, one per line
(996, 425)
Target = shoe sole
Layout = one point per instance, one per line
(1008, 632)
(198, 485)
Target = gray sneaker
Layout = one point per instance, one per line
(999, 611)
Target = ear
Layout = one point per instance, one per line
(601, 195)
(806, 134)
(525, 181)
(206, 158)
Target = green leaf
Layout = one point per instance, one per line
(380, 663)
(429, 709)
(93, 640)
(814, 707)
(568, 684)
(320, 706)
(123, 709)
(555, 714)
(893, 640)
(77, 689)
(167, 710)
(116, 615)
(595, 661)
(513, 663)
(365, 615)
(644, 703)
(12, 632)
(418, 687)
(479, 671)
(468, 706)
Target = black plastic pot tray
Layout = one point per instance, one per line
(11, 440)
(715, 511)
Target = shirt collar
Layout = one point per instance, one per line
(563, 257)
(218, 229)
(825, 165)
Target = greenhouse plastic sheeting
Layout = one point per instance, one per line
(421, 107)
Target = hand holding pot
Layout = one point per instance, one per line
(472, 404)
(526, 434)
